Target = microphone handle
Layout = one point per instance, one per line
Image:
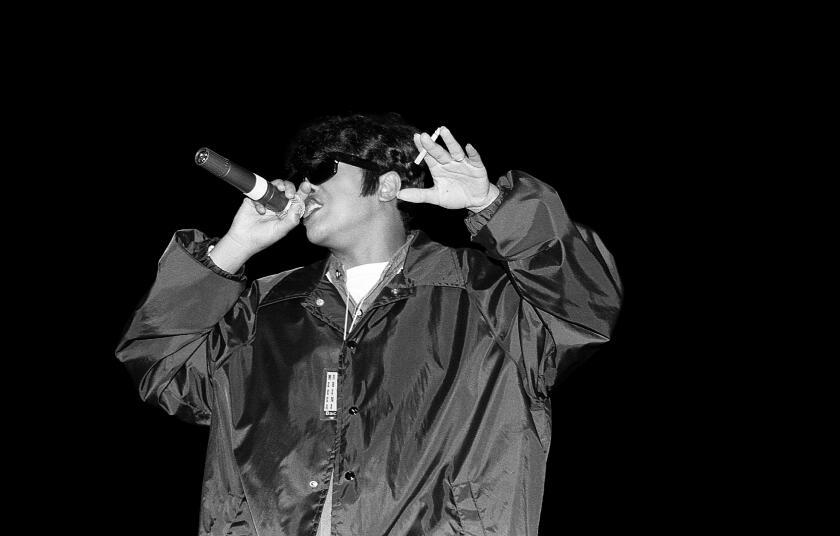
(250, 184)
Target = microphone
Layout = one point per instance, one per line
(250, 184)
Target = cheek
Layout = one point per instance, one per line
(353, 208)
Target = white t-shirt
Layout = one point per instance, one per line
(362, 278)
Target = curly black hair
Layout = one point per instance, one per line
(385, 139)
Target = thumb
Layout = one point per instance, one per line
(305, 188)
(417, 195)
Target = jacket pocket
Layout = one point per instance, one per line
(467, 508)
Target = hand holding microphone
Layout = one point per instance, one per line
(267, 214)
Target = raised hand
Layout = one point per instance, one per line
(460, 178)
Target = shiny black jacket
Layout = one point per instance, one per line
(443, 422)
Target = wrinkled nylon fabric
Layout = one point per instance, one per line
(443, 422)
(361, 281)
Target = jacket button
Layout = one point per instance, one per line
(319, 302)
(353, 410)
(313, 484)
(351, 345)
(350, 475)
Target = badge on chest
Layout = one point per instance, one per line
(329, 395)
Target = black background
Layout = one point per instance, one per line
(608, 135)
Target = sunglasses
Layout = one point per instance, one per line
(323, 171)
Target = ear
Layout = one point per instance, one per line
(389, 186)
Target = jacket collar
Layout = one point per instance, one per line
(426, 263)
(431, 263)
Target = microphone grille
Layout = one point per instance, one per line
(212, 161)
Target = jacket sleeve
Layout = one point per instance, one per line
(189, 319)
(562, 293)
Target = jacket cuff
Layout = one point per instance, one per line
(530, 219)
(477, 220)
(198, 245)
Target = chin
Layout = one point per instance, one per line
(319, 234)
(315, 235)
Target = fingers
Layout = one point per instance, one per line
(417, 142)
(435, 151)
(452, 153)
(417, 195)
(473, 157)
(296, 206)
(455, 151)
(259, 207)
(305, 188)
(287, 187)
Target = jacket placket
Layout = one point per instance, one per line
(395, 290)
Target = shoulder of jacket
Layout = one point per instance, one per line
(265, 284)
(478, 269)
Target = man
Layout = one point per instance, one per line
(398, 386)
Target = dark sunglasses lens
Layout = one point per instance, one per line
(322, 172)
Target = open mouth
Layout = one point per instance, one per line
(311, 206)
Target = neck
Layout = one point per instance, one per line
(376, 245)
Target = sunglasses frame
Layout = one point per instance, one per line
(337, 157)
